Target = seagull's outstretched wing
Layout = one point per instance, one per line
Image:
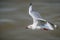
(41, 22)
(46, 24)
(35, 15)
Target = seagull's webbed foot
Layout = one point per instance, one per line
(44, 29)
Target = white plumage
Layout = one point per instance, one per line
(38, 21)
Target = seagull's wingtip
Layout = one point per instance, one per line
(30, 3)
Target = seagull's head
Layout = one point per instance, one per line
(29, 27)
(33, 27)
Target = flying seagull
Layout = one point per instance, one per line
(38, 21)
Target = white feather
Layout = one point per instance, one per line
(38, 21)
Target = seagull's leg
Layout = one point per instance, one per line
(44, 29)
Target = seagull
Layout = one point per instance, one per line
(38, 21)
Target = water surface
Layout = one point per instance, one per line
(14, 18)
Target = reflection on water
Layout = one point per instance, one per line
(14, 18)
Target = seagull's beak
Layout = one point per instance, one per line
(27, 28)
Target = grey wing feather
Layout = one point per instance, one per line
(36, 14)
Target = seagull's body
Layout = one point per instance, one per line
(38, 21)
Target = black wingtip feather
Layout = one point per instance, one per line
(30, 3)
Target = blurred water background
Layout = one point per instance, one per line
(14, 18)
